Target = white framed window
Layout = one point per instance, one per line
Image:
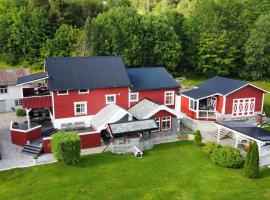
(169, 98)
(166, 123)
(3, 89)
(62, 92)
(133, 97)
(192, 104)
(80, 108)
(83, 91)
(18, 102)
(110, 98)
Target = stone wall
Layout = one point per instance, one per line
(127, 148)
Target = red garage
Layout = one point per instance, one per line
(222, 98)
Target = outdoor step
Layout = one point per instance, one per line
(31, 152)
(32, 147)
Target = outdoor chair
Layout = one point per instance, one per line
(70, 126)
(64, 127)
(79, 125)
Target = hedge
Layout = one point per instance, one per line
(20, 113)
(224, 156)
(66, 147)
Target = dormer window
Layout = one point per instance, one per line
(83, 91)
(62, 92)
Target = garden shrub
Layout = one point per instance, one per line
(251, 168)
(198, 138)
(228, 157)
(20, 112)
(266, 109)
(209, 147)
(66, 147)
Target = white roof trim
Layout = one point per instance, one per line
(160, 108)
(245, 86)
(33, 81)
(201, 97)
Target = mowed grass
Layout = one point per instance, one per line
(176, 170)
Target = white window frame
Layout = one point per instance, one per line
(244, 100)
(87, 91)
(171, 94)
(168, 118)
(134, 100)
(80, 103)
(18, 102)
(194, 104)
(3, 89)
(110, 95)
(62, 93)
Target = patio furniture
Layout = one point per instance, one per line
(79, 125)
(64, 126)
(70, 126)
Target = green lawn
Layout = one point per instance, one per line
(176, 170)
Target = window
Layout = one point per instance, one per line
(3, 89)
(18, 102)
(166, 123)
(110, 98)
(80, 108)
(62, 92)
(83, 91)
(169, 98)
(133, 97)
(192, 104)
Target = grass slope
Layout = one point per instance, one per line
(176, 170)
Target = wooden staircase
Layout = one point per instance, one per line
(32, 149)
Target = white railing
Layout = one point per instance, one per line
(208, 114)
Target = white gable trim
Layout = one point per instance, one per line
(245, 86)
(33, 81)
(160, 108)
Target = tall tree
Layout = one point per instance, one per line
(257, 49)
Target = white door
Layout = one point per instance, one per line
(243, 107)
(212, 102)
(2, 106)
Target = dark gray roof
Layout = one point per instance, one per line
(254, 132)
(69, 73)
(143, 108)
(32, 77)
(198, 93)
(145, 78)
(222, 85)
(133, 126)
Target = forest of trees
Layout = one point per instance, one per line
(198, 37)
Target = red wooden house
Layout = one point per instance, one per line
(222, 98)
(78, 92)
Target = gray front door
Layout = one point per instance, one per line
(2, 106)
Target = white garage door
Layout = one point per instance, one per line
(243, 107)
(2, 106)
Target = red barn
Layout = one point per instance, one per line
(222, 98)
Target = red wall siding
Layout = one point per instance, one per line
(219, 103)
(64, 104)
(21, 138)
(154, 95)
(185, 107)
(37, 102)
(246, 92)
(87, 141)
(161, 114)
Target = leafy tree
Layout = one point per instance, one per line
(63, 43)
(215, 55)
(257, 49)
(251, 167)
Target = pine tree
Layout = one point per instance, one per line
(198, 138)
(251, 168)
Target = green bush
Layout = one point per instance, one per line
(66, 147)
(209, 147)
(20, 112)
(227, 156)
(198, 138)
(266, 109)
(251, 168)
